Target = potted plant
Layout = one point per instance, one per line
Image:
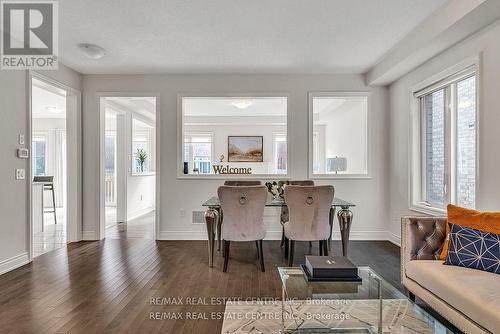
(140, 157)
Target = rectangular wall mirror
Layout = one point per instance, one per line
(338, 134)
(245, 134)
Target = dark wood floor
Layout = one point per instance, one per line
(107, 286)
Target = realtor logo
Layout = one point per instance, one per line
(29, 34)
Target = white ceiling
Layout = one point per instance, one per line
(223, 107)
(144, 106)
(271, 36)
(47, 104)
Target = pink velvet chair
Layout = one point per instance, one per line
(243, 209)
(309, 216)
(284, 212)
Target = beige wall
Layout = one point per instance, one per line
(369, 195)
(14, 193)
(486, 44)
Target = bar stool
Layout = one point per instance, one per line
(48, 185)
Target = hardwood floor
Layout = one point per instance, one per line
(142, 227)
(108, 286)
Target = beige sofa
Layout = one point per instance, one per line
(467, 298)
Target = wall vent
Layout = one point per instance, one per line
(198, 217)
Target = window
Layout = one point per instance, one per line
(198, 152)
(448, 142)
(280, 153)
(338, 134)
(142, 147)
(39, 149)
(232, 136)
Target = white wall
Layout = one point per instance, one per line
(486, 43)
(176, 194)
(14, 205)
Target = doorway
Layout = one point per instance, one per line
(128, 167)
(55, 170)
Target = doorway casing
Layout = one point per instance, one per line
(73, 157)
(101, 96)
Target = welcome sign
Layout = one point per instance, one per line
(220, 169)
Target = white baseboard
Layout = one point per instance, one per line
(139, 213)
(14, 262)
(271, 235)
(89, 235)
(394, 238)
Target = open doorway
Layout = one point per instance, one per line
(55, 172)
(128, 173)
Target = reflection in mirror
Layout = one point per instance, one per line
(242, 133)
(339, 136)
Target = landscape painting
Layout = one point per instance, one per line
(245, 149)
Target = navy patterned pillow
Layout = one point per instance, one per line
(473, 249)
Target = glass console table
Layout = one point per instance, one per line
(369, 306)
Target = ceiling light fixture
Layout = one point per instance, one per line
(241, 104)
(91, 50)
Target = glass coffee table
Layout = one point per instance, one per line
(371, 305)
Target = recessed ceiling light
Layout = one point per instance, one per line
(91, 50)
(241, 104)
(53, 109)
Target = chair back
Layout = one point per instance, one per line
(309, 212)
(302, 183)
(243, 209)
(237, 183)
(284, 209)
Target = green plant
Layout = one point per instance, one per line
(276, 188)
(140, 157)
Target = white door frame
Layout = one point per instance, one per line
(100, 96)
(73, 159)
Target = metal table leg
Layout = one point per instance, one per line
(219, 228)
(344, 217)
(332, 217)
(211, 221)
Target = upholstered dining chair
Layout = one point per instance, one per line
(243, 208)
(309, 216)
(238, 183)
(234, 183)
(284, 213)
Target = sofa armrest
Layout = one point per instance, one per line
(422, 238)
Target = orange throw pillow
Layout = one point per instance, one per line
(484, 221)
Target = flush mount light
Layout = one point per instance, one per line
(91, 50)
(53, 109)
(241, 104)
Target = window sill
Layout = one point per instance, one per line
(340, 177)
(264, 177)
(428, 210)
(144, 174)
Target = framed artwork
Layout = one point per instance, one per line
(245, 149)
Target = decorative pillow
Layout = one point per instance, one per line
(484, 221)
(473, 249)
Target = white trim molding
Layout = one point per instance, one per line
(139, 213)
(14, 262)
(89, 236)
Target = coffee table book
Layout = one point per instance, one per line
(330, 268)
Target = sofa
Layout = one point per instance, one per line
(467, 298)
